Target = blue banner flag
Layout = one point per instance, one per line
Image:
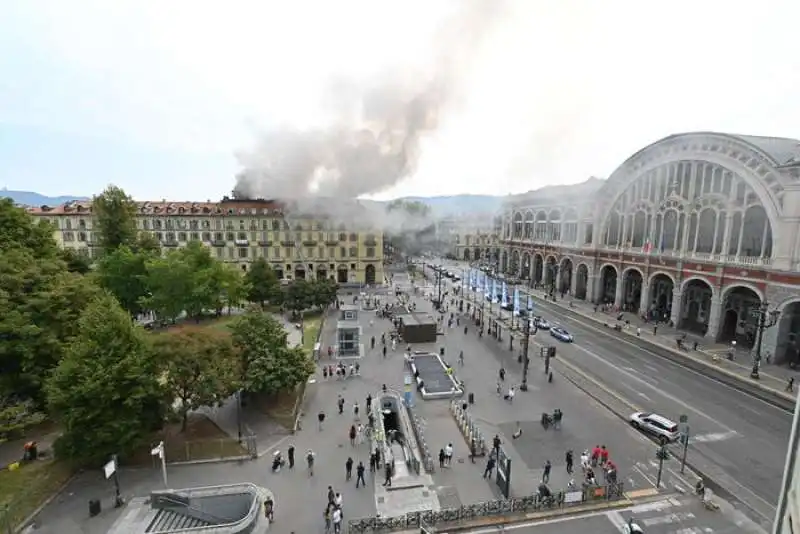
(504, 297)
(485, 284)
(516, 301)
(530, 303)
(495, 291)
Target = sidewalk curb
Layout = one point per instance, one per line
(31, 519)
(751, 386)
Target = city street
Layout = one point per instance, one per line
(586, 423)
(738, 440)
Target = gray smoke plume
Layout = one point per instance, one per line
(374, 140)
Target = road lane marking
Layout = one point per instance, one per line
(642, 395)
(716, 436)
(661, 392)
(644, 476)
(669, 519)
(616, 519)
(583, 324)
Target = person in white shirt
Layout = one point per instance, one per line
(448, 453)
(337, 521)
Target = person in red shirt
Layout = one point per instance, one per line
(595, 455)
(603, 455)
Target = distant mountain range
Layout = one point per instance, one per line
(442, 206)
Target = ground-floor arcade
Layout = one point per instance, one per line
(705, 299)
(359, 273)
(477, 254)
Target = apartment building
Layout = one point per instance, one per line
(297, 245)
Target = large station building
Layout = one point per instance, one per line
(701, 229)
(297, 245)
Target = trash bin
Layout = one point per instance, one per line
(94, 507)
(471, 398)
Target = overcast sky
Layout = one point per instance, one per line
(157, 96)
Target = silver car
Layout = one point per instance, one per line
(664, 430)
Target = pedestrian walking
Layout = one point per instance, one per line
(461, 358)
(360, 474)
(369, 401)
(546, 472)
(568, 459)
(326, 516)
(340, 403)
(790, 384)
(321, 419)
(290, 454)
(387, 482)
(352, 435)
(310, 462)
(448, 453)
(348, 468)
(355, 411)
(487, 473)
(442, 457)
(337, 521)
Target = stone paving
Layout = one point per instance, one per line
(300, 498)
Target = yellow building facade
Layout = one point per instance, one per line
(238, 232)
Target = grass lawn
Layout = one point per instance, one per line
(311, 326)
(24, 489)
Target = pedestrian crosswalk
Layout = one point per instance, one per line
(675, 515)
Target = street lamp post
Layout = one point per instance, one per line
(765, 318)
(525, 360)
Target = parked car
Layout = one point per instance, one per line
(663, 429)
(561, 334)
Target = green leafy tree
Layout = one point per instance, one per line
(263, 283)
(267, 364)
(18, 230)
(106, 390)
(323, 292)
(123, 272)
(146, 243)
(170, 287)
(40, 302)
(114, 218)
(76, 263)
(199, 368)
(298, 296)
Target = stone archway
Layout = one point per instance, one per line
(476, 254)
(738, 321)
(695, 306)
(632, 281)
(550, 274)
(581, 281)
(299, 273)
(504, 261)
(525, 268)
(538, 268)
(788, 346)
(322, 273)
(608, 285)
(565, 277)
(659, 303)
(513, 268)
(278, 273)
(467, 256)
(369, 274)
(341, 274)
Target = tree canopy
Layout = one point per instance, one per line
(199, 368)
(114, 215)
(267, 364)
(105, 390)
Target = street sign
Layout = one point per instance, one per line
(683, 419)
